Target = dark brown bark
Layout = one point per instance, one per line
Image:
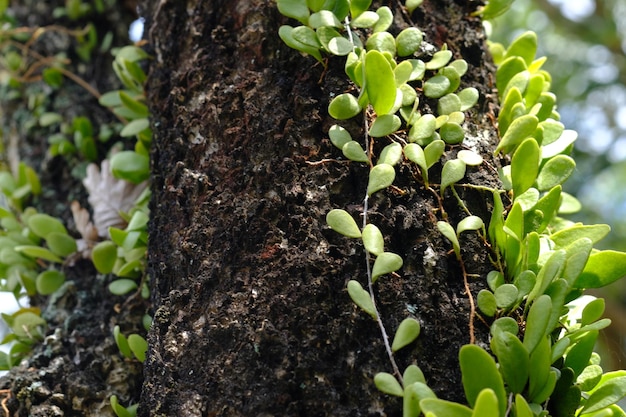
(251, 313)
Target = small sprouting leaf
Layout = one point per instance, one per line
(555, 172)
(122, 342)
(381, 177)
(386, 263)
(495, 8)
(354, 152)
(380, 82)
(413, 374)
(470, 158)
(469, 223)
(469, 97)
(373, 239)
(423, 129)
(525, 166)
(452, 133)
(440, 59)
(448, 231)
(486, 302)
(472, 358)
(104, 255)
(341, 222)
(49, 281)
(537, 321)
(486, 404)
(453, 171)
(385, 125)
(520, 129)
(407, 332)
(602, 268)
(412, 4)
(122, 286)
(388, 384)
(391, 154)
(436, 86)
(408, 41)
(361, 298)
(344, 106)
(42, 225)
(138, 346)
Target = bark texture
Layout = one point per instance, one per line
(251, 313)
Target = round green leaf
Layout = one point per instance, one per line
(381, 176)
(341, 222)
(324, 18)
(135, 127)
(361, 298)
(440, 59)
(384, 125)
(602, 268)
(413, 374)
(122, 286)
(520, 129)
(592, 311)
(448, 231)
(436, 86)
(473, 358)
(555, 172)
(295, 9)
(61, 244)
(419, 68)
(104, 255)
(407, 332)
(460, 65)
(486, 302)
(469, 223)
(42, 225)
(386, 263)
(49, 281)
(388, 384)
(391, 154)
(344, 106)
(468, 97)
(138, 346)
(409, 95)
(452, 133)
(408, 41)
(130, 166)
(373, 239)
(354, 152)
(450, 103)
(366, 19)
(434, 151)
(340, 46)
(506, 295)
(470, 158)
(383, 42)
(423, 129)
(513, 359)
(412, 4)
(26, 324)
(385, 19)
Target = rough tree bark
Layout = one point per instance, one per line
(248, 283)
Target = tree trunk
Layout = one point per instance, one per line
(252, 316)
